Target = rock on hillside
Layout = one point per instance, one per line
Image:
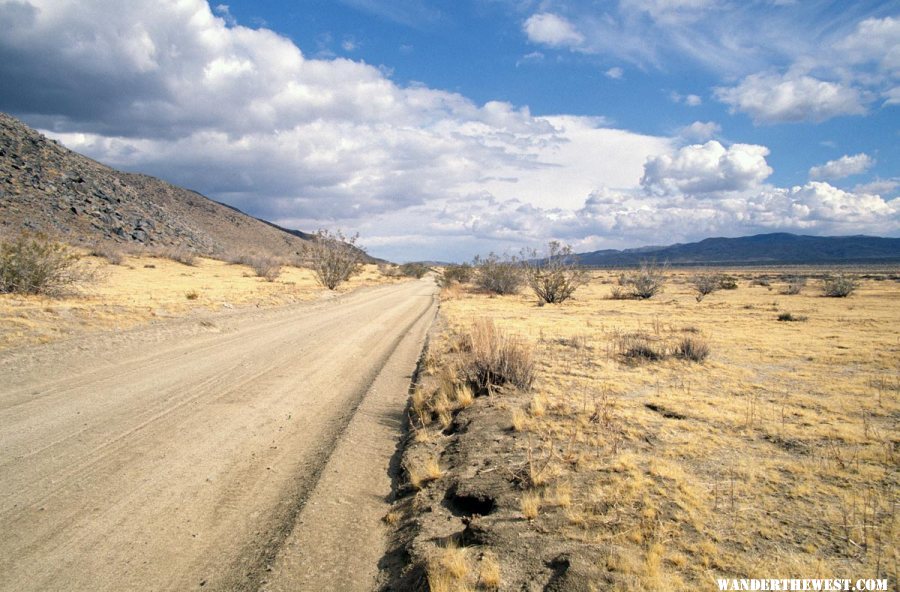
(48, 188)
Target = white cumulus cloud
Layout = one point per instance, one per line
(842, 167)
(773, 98)
(707, 168)
(550, 29)
(700, 131)
(175, 89)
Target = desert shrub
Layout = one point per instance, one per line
(728, 282)
(645, 282)
(266, 267)
(34, 264)
(389, 269)
(112, 255)
(494, 358)
(640, 346)
(692, 348)
(705, 284)
(333, 257)
(789, 317)
(620, 293)
(839, 286)
(192, 295)
(761, 281)
(499, 275)
(416, 270)
(794, 285)
(554, 275)
(459, 274)
(182, 255)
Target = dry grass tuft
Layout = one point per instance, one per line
(448, 570)
(519, 420)
(530, 504)
(692, 348)
(495, 358)
(537, 406)
(640, 346)
(489, 576)
(791, 318)
(464, 396)
(424, 472)
(391, 517)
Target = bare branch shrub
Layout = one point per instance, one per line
(416, 270)
(498, 275)
(266, 267)
(34, 264)
(727, 282)
(180, 254)
(705, 284)
(333, 257)
(619, 293)
(389, 269)
(112, 255)
(839, 286)
(794, 285)
(458, 274)
(554, 276)
(493, 358)
(647, 281)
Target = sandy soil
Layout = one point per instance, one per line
(146, 289)
(181, 455)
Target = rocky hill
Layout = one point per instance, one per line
(761, 249)
(48, 188)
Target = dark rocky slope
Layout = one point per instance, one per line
(48, 188)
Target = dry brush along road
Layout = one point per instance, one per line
(246, 451)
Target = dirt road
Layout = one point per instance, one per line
(227, 453)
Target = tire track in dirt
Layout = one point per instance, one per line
(185, 461)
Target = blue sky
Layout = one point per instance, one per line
(439, 130)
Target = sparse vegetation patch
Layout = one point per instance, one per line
(662, 444)
(333, 257)
(554, 275)
(839, 286)
(498, 275)
(646, 282)
(35, 264)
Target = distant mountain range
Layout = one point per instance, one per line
(778, 248)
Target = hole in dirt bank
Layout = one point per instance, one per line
(455, 427)
(468, 505)
(559, 566)
(667, 413)
(470, 536)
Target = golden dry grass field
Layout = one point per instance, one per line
(145, 288)
(775, 457)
